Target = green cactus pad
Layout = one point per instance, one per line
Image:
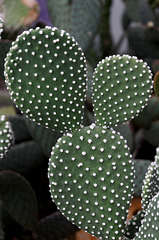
(151, 134)
(150, 185)
(134, 224)
(91, 180)
(80, 18)
(46, 77)
(18, 199)
(23, 158)
(46, 138)
(142, 46)
(140, 167)
(6, 136)
(18, 13)
(126, 130)
(149, 226)
(55, 226)
(121, 88)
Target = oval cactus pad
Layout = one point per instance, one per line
(46, 76)
(121, 88)
(91, 180)
(6, 136)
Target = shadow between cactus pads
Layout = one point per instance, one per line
(91, 180)
(46, 76)
(121, 88)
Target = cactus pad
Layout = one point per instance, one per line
(156, 84)
(91, 180)
(19, 199)
(149, 225)
(6, 136)
(55, 226)
(18, 13)
(140, 167)
(44, 137)
(80, 18)
(23, 158)
(134, 224)
(52, 88)
(150, 186)
(121, 88)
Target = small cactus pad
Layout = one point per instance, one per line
(23, 158)
(156, 84)
(149, 226)
(134, 224)
(46, 77)
(19, 199)
(55, 226)
(6, 136)
(1, 27)
(121, 88)
(150, 185)
(91, 180)
(19, 13)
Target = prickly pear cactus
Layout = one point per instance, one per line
(150, 185)
(134, 224)
(91, 180)
(80, 18)
(121, 88)
(54, 78)
(18, 13)
(149, 225)
(50, 227)
(1, 27)
(6, 136)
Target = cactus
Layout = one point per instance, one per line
(50, 227)
(6, 136)
(126, 131)
(80, 18)
(44, 137)
(19, 199)
(121, 89)
(134, 224)
(92, 193)
(149, 225)
(140, 167)
(18, 14)
(23, 158)
(54, 93)
(151, 134)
